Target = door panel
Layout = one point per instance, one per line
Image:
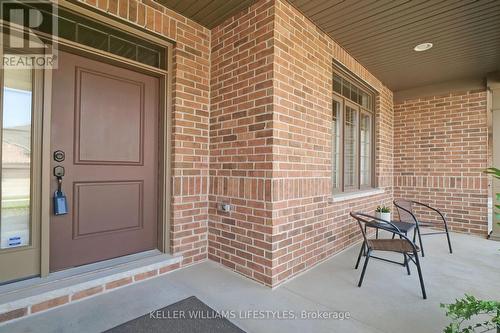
(124, 213)
(105, 119)
(100, 138)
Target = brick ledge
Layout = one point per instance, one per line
(45, 301)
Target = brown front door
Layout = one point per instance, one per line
(105, 120)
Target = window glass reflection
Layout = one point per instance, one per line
(350, 144)
(336, 139)
(16, 158)
(365, 153)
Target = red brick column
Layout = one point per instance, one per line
(270, 151)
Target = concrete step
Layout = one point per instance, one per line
(27, 297)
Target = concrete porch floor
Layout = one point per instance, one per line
(389, 300)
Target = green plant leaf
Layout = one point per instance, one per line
(466, 309)
(494, 172)
(383, 209)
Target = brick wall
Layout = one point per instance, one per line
(251, 114)
(307, 226)
(189, 114)
(241, 141)
(252, 103)
(440, 150)
(270, 152)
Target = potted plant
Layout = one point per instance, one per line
(383, 213)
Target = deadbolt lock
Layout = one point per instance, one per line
(59, 156)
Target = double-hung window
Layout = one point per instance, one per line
(352, 135)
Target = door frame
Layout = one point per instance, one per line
(164, 137)
(493, 110)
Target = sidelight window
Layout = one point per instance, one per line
(16, 157)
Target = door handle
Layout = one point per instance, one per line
(59, 171)
(59, 174)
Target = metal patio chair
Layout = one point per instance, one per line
(406, 214)
(402, 245)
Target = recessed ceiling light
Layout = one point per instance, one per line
(422, 47)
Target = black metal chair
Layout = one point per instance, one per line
(402, 245)
(406, 214)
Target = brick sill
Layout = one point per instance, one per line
(355, 195)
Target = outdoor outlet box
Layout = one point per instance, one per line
(226, 208)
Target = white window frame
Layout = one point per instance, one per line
(361, 109)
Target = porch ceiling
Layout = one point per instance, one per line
(381, 34)
(208, 13)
